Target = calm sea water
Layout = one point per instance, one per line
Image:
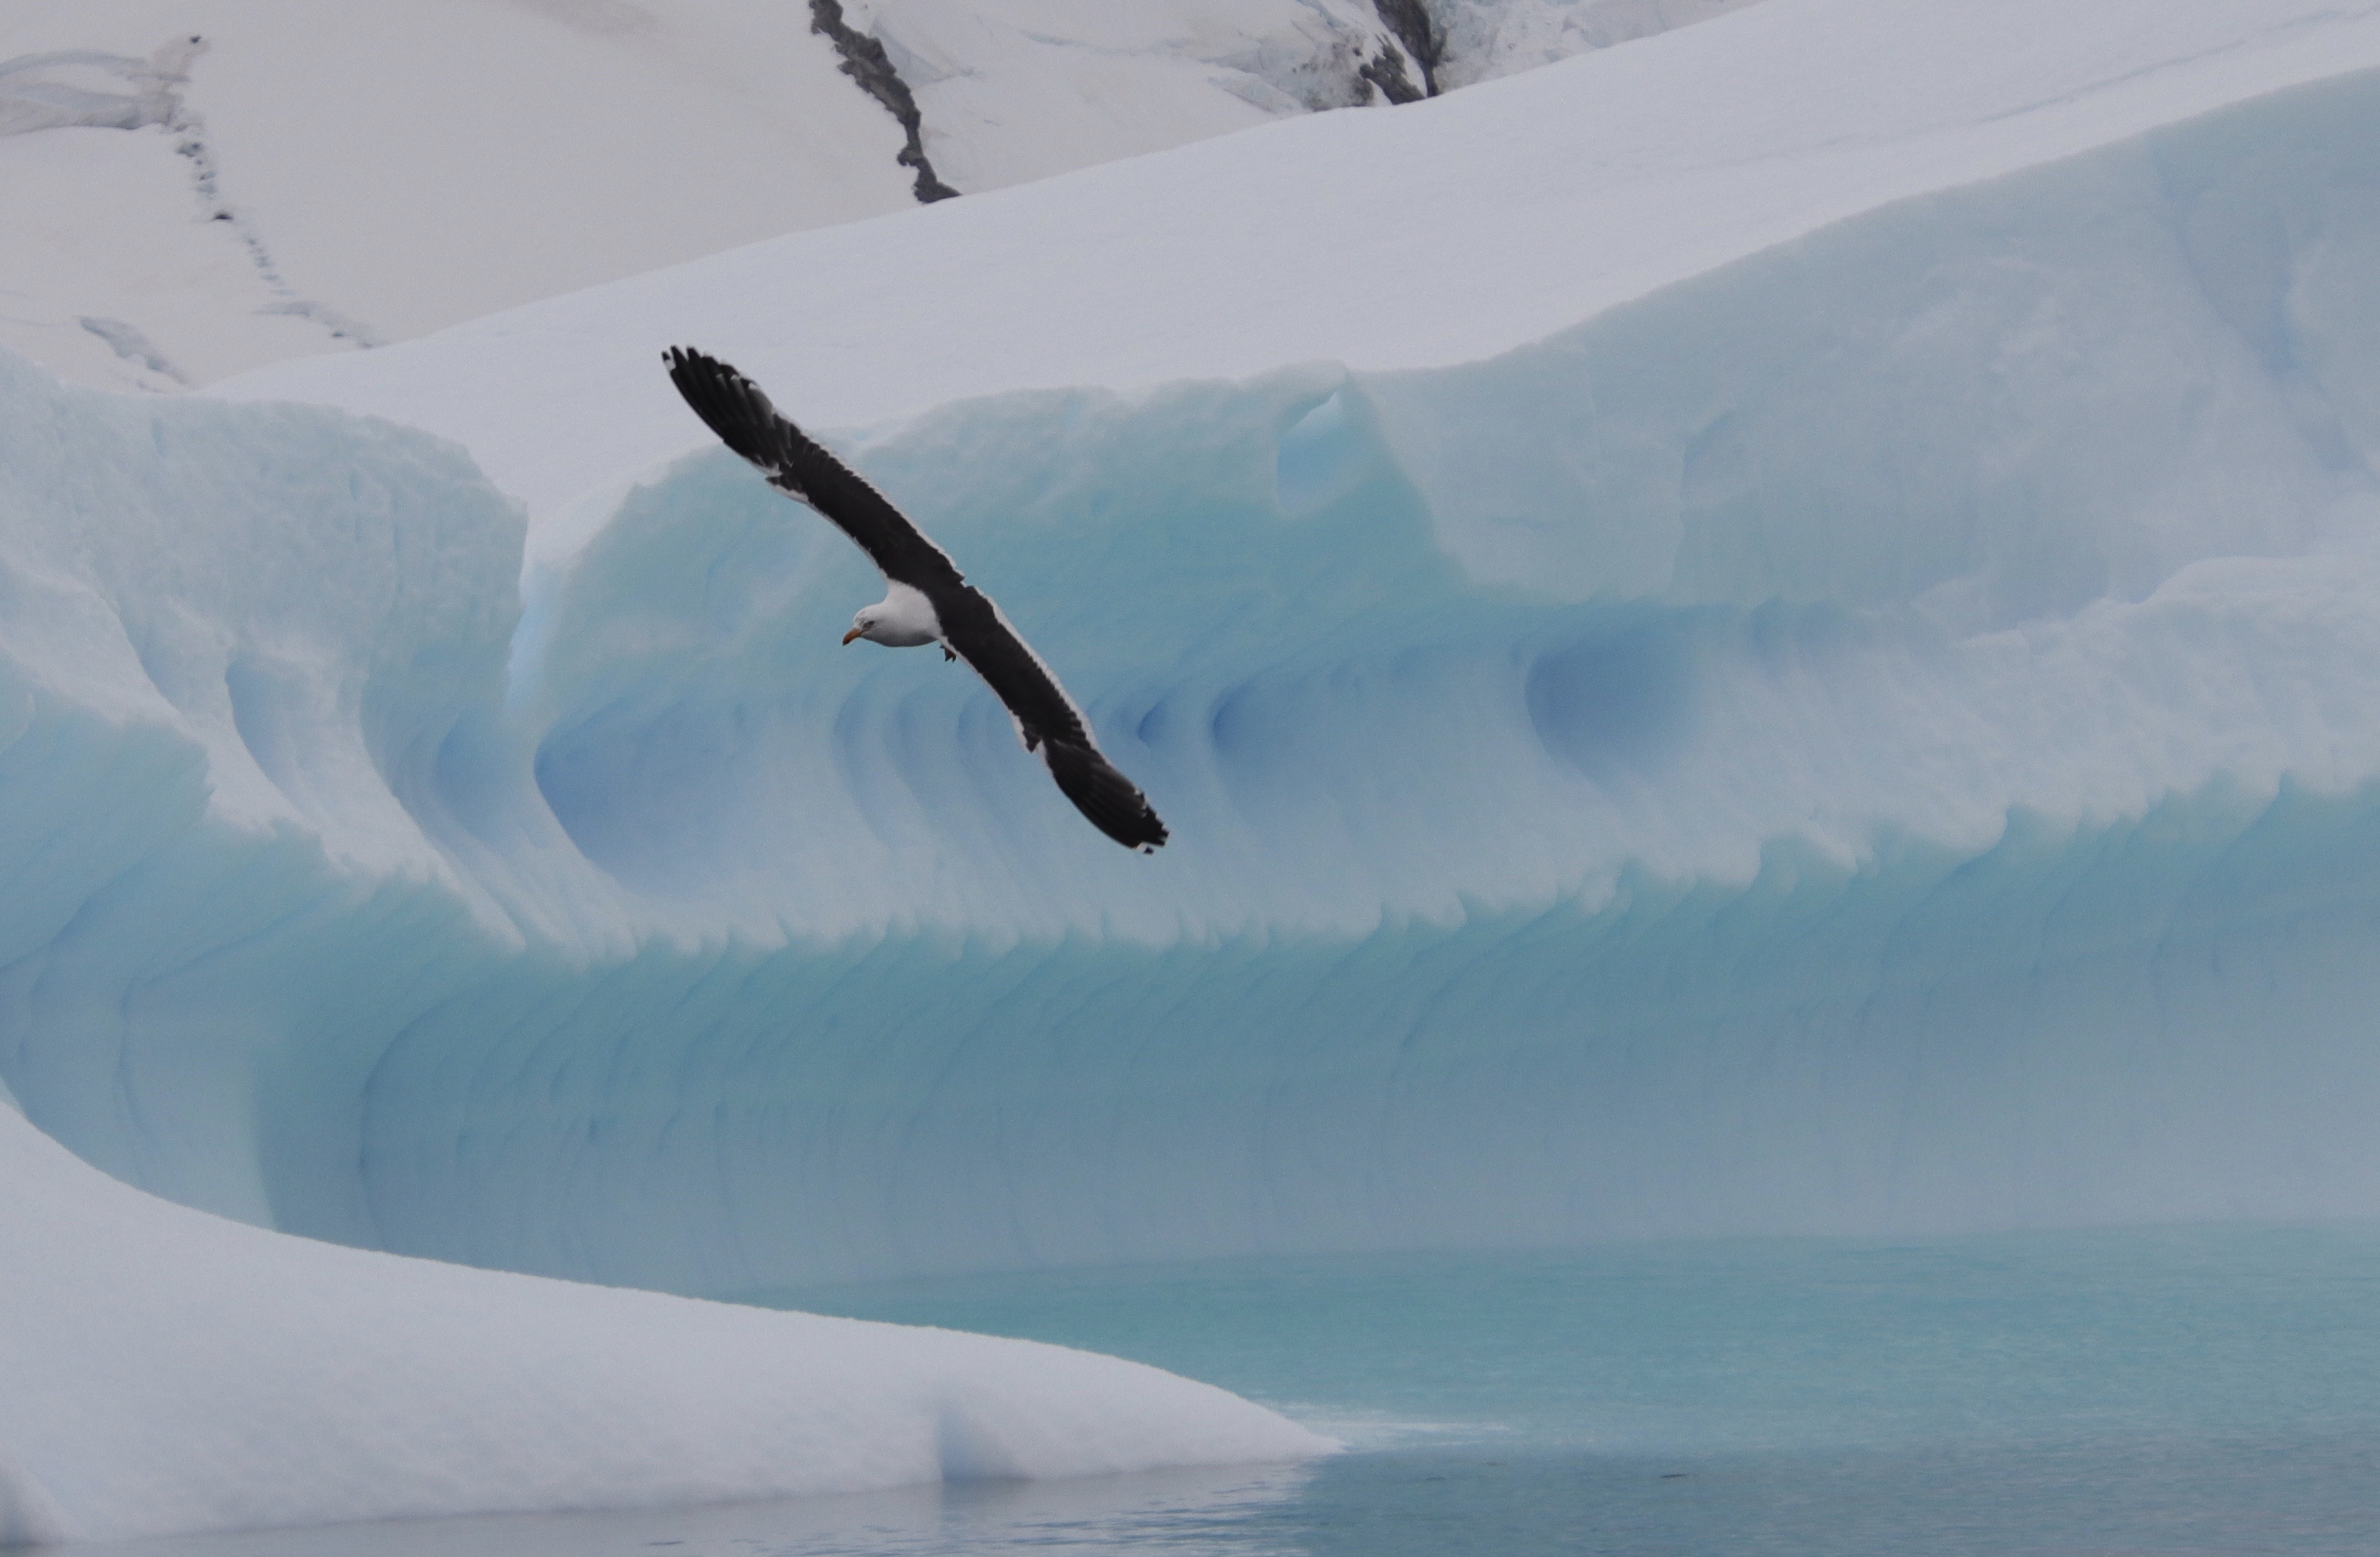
(2162, 1390)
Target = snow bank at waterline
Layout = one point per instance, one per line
(165, 1371)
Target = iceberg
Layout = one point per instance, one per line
(1816, 684)
(1772, 630)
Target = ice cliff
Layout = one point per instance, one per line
(1802, 654)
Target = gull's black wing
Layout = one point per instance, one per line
(1047, 718)
(734, 406)
(1113, 802)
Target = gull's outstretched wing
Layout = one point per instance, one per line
(1047, 720)
(734, 406)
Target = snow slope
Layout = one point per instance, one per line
(161, 1371)
(382, 171)
(310, 178)
(1811, 668)
(1551, 197)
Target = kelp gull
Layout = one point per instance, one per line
(925, 598)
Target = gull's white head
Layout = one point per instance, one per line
(903, 619)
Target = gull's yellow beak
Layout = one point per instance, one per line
(852, 633)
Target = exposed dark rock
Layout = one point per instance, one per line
(1424, 40)
(1388, 73)
(128, 342)
(864, 61)
(30, 101)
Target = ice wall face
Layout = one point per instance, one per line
(1871, 733)
(233, 642)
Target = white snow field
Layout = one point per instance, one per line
(168, 1372)
(193, 188)
(1772, 630)
(320, 176)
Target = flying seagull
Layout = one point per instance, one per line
(925, 598)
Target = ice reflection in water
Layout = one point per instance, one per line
(1183, 1514)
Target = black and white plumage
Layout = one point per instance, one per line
(927, 600)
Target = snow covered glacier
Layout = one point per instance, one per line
(1799, 654)
(280, 178)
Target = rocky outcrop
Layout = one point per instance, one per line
(865, 61)
(1424, 41)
